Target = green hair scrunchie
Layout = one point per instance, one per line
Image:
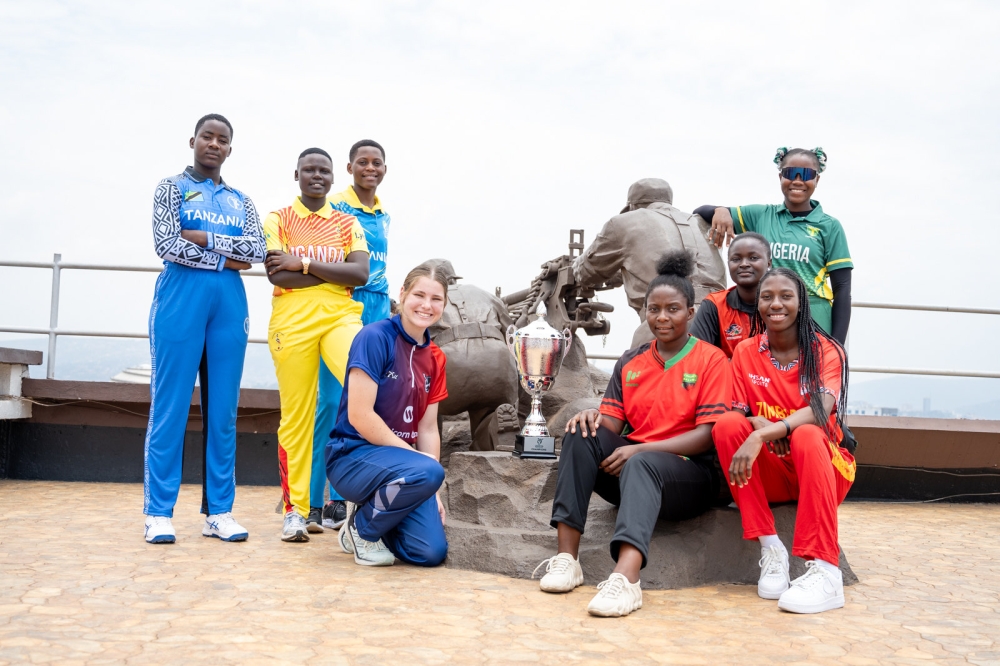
(820, 154)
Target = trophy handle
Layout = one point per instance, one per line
(568, 337)
(510, 339)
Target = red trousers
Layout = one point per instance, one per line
(810, 475)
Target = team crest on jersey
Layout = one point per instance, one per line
(688, 380)
(276, 338)
(427, 384)
(235, 202)
(812, 231)
(193, 195)
(734, 331)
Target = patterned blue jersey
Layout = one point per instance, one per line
(375, 222)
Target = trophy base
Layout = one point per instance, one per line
(534, 447)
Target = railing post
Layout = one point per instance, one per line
(50, 366)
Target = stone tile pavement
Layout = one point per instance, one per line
(79, 585)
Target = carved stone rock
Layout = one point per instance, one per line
(499, 508)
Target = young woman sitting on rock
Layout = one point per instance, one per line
(668, 393)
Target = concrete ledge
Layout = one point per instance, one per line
(20, 356)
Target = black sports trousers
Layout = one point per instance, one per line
(652, 485)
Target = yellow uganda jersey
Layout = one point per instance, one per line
(327, 235)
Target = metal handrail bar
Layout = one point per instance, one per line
(924, 308)
(57, 266)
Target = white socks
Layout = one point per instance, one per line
(832, 568)
(771, 540)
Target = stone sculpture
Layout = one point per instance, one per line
(629, 245)
(481, 373)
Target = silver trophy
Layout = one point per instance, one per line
(538, 351)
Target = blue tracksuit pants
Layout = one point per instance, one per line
(376, 309)
(395, 492)
(195, 313)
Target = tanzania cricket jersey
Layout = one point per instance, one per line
(375, 221)
(661, 399)
(308, 324)
(811, 245)
(198, 322)
(723, 320)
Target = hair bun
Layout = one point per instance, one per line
(676, 262)
(820, 158)
(779, 155)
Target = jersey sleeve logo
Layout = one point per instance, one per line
(688, 380)
(632, 378)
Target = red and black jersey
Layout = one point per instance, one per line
(763, 388)
(661, 399)
(723, 320)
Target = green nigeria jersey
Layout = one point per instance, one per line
(812, 246)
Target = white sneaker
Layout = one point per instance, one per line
(773, 572)
(344, 535)
(224, 526)
(817, 590)
(562, 573)
(616, 597)
(366, 553)
(159, 529)
(294, 527)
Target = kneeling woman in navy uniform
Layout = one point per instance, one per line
(668, 392)
(384, 449)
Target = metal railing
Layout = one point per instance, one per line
(57, 266)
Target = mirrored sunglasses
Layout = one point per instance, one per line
(805, 173)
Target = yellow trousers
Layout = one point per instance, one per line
(305, 326)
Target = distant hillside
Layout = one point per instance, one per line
(966, 397)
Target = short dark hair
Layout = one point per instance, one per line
(362, 144)
(752, 235)
(315, 151)
(213, 116)
(674, 270)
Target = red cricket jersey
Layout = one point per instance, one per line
(734, 325)
(764, 389)
(660, 400)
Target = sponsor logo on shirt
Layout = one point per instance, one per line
(246, 325)
(772, 412)
(359, 235)
(193, 195)
(632, 378)
(391, 375)
(405, 435)
(688, 380)
(408, 414)
(427, 384)
(757, 380)
(791, 251)
(734, 331)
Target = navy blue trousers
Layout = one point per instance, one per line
(395, 492)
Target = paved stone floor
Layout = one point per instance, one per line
(79, 585)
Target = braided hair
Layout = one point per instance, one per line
(810, 351)
(673, 270)
(817, 154)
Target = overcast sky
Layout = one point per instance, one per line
(505, 125)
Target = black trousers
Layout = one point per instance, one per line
(652, 485)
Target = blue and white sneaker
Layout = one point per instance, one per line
(159, 529)
(224, 526)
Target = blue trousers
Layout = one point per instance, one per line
(195, 313)
(376, 309)
(395, 492)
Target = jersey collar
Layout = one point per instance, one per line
(734, 302)
(351, 197)
(198, 177)
(326, 212)
(676, 358)
(814, 214)
(398, 324)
